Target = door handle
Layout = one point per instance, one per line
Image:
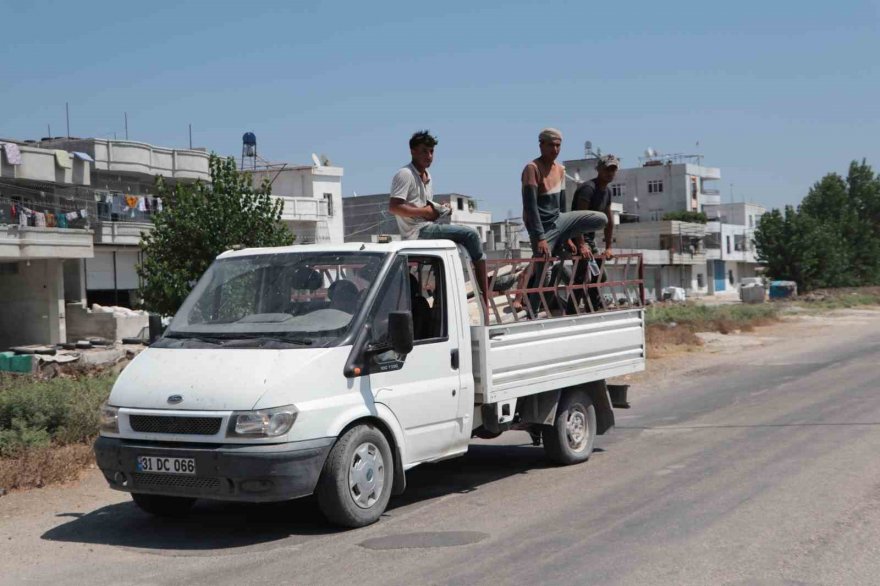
(454, 355)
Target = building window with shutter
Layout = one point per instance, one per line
(618, 189)
(328, 197)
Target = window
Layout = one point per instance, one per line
(728, 244)
(460, 202)
(751, 221)
(328, 197)
(701, 280)
(618, 189)
(655, 186)
(427, 288)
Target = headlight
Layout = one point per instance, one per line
(263, 423)
(109, 419)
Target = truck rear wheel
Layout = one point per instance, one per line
(570, 439)
(163, 506)
(356, 482)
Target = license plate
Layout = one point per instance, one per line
(161, 465)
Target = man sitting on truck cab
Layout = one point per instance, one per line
(412, 195)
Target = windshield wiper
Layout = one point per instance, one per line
(200, 338)
(277, 337)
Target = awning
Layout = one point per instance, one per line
(83, 156)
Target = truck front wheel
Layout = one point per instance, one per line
(570, 439)
(355, 484)
(163, 506)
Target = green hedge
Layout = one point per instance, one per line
(63, 411)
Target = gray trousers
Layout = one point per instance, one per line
(569, 225)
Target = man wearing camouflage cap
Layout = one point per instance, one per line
(594, 196)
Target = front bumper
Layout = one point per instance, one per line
(251, 473)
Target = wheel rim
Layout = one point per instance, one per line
(366, 475)
(577, 430)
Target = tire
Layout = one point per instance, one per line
(163, 506)
(570, 439)
(356, 482)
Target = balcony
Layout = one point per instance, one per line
(120, 233)
(299, 209)
(710, 199)
(42, 165)
(125, 156)
(30, 243)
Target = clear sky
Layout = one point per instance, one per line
(776, 93)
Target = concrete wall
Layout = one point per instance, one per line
(32, 302)
(83, 323)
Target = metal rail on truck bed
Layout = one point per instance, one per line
(561, 337)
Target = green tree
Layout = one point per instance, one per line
(198, 222)
(832, 239)
(686, 216)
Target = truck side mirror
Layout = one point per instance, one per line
(400, 330)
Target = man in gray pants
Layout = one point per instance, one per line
(551, 229)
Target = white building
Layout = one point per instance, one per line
(465, 213)
(122, 172)
(312, 197)
(675, 183)
(730, 243)
(41, 255)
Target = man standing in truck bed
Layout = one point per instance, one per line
(412, 195)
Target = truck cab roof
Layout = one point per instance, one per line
(394, 246)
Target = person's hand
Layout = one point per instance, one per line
(584, 250)
(432, 213)
(571, 246)
(543, 248)
(608, 254)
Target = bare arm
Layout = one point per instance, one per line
(400, 207)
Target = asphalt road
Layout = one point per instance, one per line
(754, 462)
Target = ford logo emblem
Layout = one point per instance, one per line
(175, 399)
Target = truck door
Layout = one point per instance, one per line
(422, 387)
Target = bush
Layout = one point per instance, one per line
(686, 216)
(61, 411)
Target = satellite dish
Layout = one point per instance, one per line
(649, 152)
(577, 176)
(325, 160)
(316, 160)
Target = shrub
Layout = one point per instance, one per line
(61, 411)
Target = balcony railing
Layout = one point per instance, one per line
(304, 208)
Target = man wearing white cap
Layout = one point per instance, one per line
(551, 228)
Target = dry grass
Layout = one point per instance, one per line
(40, 466)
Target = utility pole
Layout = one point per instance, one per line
(67, 115)
(126, 125)
(190, 137)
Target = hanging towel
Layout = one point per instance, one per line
(13, 155)
(50, 220)
(39, 219)
(71, 216)
(61, 220)
(83, 156)
(142, 204)
(158, 204)
(63, 159)
(22, 218)
(83, 213)
(131, 201)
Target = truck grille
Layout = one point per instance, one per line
(179, 425)
(146, 480)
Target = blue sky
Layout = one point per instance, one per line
(776, 93)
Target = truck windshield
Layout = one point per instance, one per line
(275, 300)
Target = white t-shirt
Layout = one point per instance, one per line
(408, 186)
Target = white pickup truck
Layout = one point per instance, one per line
(332, 370)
